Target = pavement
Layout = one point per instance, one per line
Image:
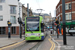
(70, 42)
(5, 41)
(10, 43)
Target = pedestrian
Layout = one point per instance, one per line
(54, 32)
(51, 31)
(62, 31)
(67, 29)
(58, 31)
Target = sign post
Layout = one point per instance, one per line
(20, 22)
(9, 25)
(64, 30)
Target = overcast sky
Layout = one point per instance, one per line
(47, 5)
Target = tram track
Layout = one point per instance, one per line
(28, 45)
(36, 46)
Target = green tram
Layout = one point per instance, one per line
(34, 28)
(71, 26)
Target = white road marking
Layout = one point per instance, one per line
(57, 44)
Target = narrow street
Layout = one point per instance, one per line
(46, 44)
(37, 24)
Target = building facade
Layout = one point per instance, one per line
(69, 10)
(9, 10)
(24, 12)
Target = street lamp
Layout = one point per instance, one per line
(20, 21)
(64, 30)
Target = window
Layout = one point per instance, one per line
(42, 27)
(13, 19)
(2, 30)
(68, 16)
(68, 6)
(2, 1)
(13, 30)
(59, 9)
(13, 9)
(0, 7)
(1, 18)
(32, 24)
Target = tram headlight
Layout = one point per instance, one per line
(42, 33)
(27, 34)
(38, 34)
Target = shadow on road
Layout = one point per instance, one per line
(34, 41)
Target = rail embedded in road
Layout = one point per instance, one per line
(36, 46)
(27, 46)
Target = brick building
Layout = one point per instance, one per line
(69, 10)
(24, 12)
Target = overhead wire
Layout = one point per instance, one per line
(37, 1)
(39, 10)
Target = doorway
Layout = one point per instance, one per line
(2, 30)
(13, 30)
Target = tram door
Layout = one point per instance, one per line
(42, 27)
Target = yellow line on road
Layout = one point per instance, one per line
(53, 44)
(12, 45)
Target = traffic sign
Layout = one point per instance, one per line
(9, 23)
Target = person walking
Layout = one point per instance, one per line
(58, 31)
(62, 31)
(67, 29)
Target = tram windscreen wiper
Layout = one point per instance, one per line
(30, 30)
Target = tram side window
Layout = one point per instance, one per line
(42, 27)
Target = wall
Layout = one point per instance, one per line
(66, 11)
(6, 12)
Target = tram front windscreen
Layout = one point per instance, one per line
(32, 23)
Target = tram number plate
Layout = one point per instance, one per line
(32, 34)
